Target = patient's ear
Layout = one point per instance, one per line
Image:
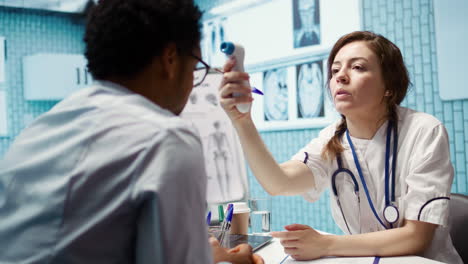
(170, 61)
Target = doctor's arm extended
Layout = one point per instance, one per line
(289, 178)
(304, 243)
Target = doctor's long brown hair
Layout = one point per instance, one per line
(394, 73)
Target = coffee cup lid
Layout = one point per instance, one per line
(240, 207)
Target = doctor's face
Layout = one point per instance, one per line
(357, 84)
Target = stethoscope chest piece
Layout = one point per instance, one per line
(391, 214)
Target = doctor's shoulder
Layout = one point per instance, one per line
(317, 143)
(418, 122)
(323, 137)
(329, 131)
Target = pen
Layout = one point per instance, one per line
(226, 214)
(226, 225)
(228, 208)
(208, 218)
(257, 91)
(227, 221)
(229, 217)
(220, 213)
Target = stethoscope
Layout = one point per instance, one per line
(390, 211)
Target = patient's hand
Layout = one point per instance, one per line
(240, 254)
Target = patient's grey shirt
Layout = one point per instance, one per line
(106, 176)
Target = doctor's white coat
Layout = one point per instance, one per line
(424, 176)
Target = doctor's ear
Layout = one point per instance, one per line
(388, 93)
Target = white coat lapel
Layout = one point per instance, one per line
(375, 162)
(372, 163)
(364, 219)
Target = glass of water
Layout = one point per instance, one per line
(260, 215)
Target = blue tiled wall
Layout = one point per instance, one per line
(28, 32)
(410, 24)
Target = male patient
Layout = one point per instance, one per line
(112, 174)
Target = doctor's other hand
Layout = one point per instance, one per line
(238, 255)
(302, 242)
(234, 82)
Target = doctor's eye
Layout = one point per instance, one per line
(358, 67)
(335, 71)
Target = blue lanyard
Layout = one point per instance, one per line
(387, 176)
(387, 160)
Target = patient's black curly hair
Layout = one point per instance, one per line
(123, 36)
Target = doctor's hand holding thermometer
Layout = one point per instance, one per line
(241, 93)
(237, 53)
(389, 190)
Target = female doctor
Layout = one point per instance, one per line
(388, 167)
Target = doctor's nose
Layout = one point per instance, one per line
(341, 77)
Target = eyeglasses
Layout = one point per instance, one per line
(200, 72)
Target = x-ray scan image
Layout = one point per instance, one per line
(310, 90)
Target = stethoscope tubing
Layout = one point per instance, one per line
(389, 197)
(343, 170)
(363, 181)
(394, 161)
(335, 191)
(387, 161)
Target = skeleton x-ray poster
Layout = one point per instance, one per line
(224, 160)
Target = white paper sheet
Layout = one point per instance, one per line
(334, 260)
(224, 160)
(365, 260)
